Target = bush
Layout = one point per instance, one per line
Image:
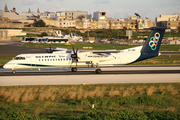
(163, 115)
(122, 101)
(44, 34)
(39, 23)
(11, 114)
(125, 115)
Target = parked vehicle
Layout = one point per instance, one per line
(27, 39)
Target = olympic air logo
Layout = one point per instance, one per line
(154, 41)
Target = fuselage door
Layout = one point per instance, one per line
(33, 61)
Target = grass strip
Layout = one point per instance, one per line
(150, 101)
(4, 59)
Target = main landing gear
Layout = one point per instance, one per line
(13, 71)
(74, 69)
(98, 70)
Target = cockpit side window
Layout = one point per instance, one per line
(19, 58)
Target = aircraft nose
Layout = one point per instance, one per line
(8, 65)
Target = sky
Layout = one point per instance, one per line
(113, 8)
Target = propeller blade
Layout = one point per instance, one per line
(76, 50)
(74, 55)
(50, 49)
(73, 50)
(76, 63)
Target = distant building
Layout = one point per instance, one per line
(10, 32)
(61, 19)
(72, 19)
(132, 24)
(11, 15)
(67, 23)
(1, 14)
(152, 24)
(51, 23)
(63, 22)
(29, 10)
(81, 19)
(173, 24)
(83, 23)
(101, 17)
(171, 21)
(143, 23)
(48, 16)
(72, 15)
(25, 17)
(6, 8)
(94, 24)
(163, 17)
(38, 10)
(108, 25)
(116, 24)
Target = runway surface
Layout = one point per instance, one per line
(88, 76)
(14, 48)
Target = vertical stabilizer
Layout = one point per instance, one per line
(153, 42)
(151, 47)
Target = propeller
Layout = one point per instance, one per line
(50, 49)
(74, 56)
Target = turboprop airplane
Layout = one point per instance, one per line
(63, 58)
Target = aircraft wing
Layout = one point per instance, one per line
(50, 50)
(70, 51)
(105, 52)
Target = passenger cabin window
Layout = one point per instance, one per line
(19, 58)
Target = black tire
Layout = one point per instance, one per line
(74, 69)
(13, 71)
(98, 71)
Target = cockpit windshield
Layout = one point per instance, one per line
(19, 58)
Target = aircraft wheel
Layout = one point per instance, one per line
(13, 71)
(74, 69)
(98, 71)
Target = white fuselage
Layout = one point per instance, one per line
(61, 59)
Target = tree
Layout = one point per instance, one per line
(92, 34)
(124, 28)
(178, 29)
(107, 32)
(39, 23)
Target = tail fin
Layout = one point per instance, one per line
(153, 42)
